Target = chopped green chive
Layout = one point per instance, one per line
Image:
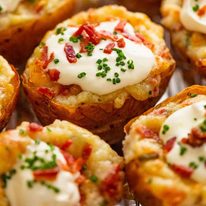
(56, 61)
(165, 129)
(81, 75)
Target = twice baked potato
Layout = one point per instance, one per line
(98, 70)
(164, 151)
(23, 23)
(185, 20)
(60, 164)
(9, 89)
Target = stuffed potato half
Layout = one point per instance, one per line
(98, 70)
(164, 151)
(9, 88)
(24, 22)
(60, 164)
(185, 20)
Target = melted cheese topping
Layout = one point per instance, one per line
(193, 15)
(8, 5)
(86, 70)
(22, 191)
(179, 125)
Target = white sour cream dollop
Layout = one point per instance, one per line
(190, 17)
(142, 57)
(179, 125)
(20, 194)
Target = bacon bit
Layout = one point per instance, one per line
(77, 166)
(45, 60)
(170, 144)
(86, 152)
(111, 186)
(48, 174)
(46, 91)
(34, 127)
(109, 48)
(68, 157)
(54, 74)
(196, 138)
(132, 38)
(159, 111)
(120, 26)
(121, 43)
(80, 179)
(92, 34)
(202, 11)
(146, 132)
(182, 170)
(66, 145)
(70, 53)
(73, 165)
(83, 44)
(108, 35)
(70, 90)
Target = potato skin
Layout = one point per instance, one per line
(18, 41)
(6, 113)
(103, 119)
(138, 177)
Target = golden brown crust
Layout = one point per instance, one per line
(8, 109)
(101, 118)
(18, 41)
(153, 181)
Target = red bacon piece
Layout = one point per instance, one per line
(108, 35)
(169, 144)
(93, 35)
(182, 170)
(45, 60)
(109, 48)
(132, 38)
(53, 74)
(47, 174)
(86, 152)
(120, 26)
(121, 43)
(46, 92)
(34, 127)
(70, 53)
(66, 145)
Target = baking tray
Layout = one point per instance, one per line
(181, 78)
